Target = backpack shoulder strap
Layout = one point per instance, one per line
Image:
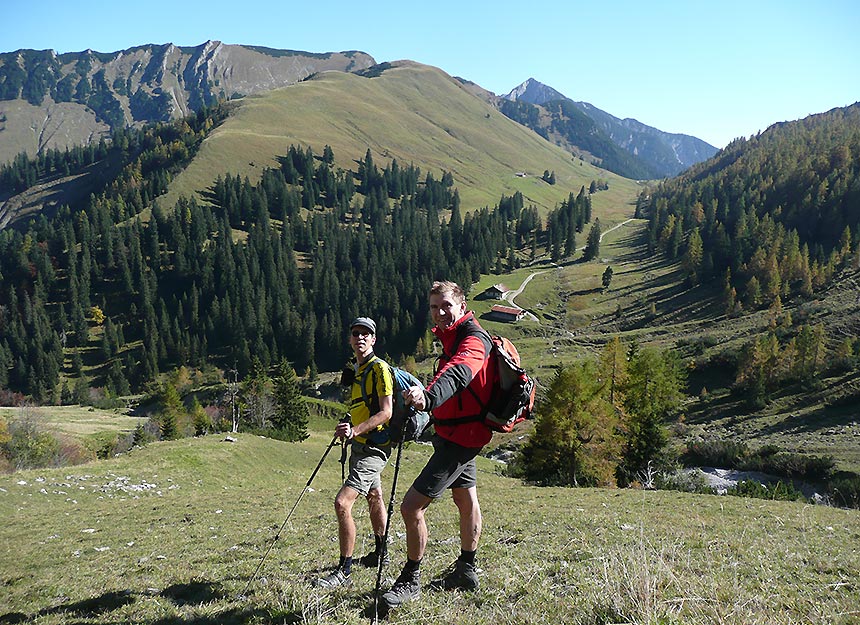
(470, 329)
(368, 370)
(473, 329)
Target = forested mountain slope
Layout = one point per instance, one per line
(779, 211)
(407, 111)
(773, 223)
(270, 268)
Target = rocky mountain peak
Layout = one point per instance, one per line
(534, 92)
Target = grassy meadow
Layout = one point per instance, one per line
(76, 421)
(398, 115)
(172, 532)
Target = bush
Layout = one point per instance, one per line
(684, 481)
(103, 444)
(728, 454)
(724, 454)
(787, 464)
(71, 451)
(844, 490)
(779, 491)
(29, 447)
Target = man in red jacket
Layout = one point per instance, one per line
(455, 396)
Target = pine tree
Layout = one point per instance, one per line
(692, 261)
(200, 420)
(575, 441)
(613, 370)
(257, 397)
(291, 410)
(652, 394)
(172, 410)
(606, 280)
(592, 247)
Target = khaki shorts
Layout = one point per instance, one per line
(365, 467)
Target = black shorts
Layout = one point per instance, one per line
(450, 466)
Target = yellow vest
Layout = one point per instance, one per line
(378, 382)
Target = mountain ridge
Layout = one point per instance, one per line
(404, 110)
(667, 153)
(51, 100)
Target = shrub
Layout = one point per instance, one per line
(779, 491)
(787, 464)
(844, 490)
(725, 454)
(30, 447)
(102, 444)
(684, 481)
(729, 454)
(70, 452)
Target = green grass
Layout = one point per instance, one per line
(171, 533)
(414, 113)
(77, 421)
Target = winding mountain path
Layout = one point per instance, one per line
(511, 295)
(603, 234)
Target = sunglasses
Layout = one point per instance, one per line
(358, 333)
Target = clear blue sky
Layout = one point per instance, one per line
(714, 70)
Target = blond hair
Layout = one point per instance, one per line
(441, 287)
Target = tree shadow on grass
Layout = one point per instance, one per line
(236, 616)
(816, 421)
(95, 606)
(194, 593)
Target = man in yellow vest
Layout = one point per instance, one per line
(371, 404)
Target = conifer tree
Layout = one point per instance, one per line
(291, 410)
(692, 261)
(606, 279)
(652, 395)
(575, 440)
(200, 420)
(592, 247)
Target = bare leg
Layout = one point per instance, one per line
(378, 513)
(470, 516)
(413, 507)
(345, 524)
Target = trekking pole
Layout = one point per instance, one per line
(343, 446)
(385, 536)
(293, 509)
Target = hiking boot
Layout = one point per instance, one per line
(334, 579)
(464, 576)
(371, 560)
(406, 587)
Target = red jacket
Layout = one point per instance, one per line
(462, 375)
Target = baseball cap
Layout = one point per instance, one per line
(366, 322)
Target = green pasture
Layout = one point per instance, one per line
(172, 533)
(397, 115)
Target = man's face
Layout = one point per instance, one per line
(361, 340)
(445, 310)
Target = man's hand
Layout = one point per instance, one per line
(414, 396)
(345, 430)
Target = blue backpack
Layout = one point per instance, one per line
(407, 423)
